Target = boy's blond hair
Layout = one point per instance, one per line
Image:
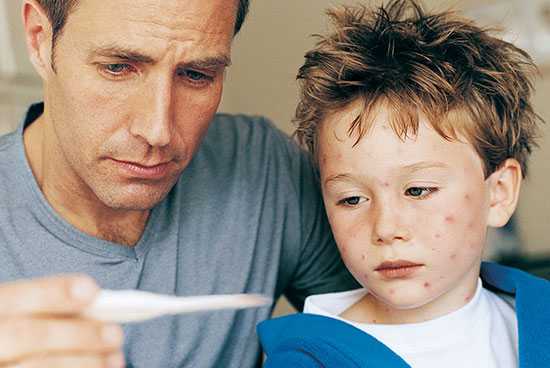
(465, 81)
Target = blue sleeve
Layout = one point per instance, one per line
(312, 341)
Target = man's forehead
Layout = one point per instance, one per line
(207, 16)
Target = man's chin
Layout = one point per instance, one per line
(143, 200)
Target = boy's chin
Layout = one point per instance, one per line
(405, 301)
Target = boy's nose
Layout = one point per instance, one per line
(388, 226)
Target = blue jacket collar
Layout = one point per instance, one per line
(316, 341)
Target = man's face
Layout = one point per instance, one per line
(137, 83)
(422, 201)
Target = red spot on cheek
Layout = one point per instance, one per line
(426, 284)
(386, 184)
(453, 256)
(343, 250)
(437, 236)
(363, 257)
(467, 197)
(392, 291)
(449, 219)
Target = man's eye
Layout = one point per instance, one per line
(351, 201)
(194, 75)
(117, 69)
(419, 192)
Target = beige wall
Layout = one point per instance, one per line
(261, 81)
(269, 51)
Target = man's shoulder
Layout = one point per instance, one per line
(7, 148)
(241, 129)
(7, 141)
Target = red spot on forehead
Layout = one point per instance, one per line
(449, 218)
(437, 236)
(453, 256)
(363, 257)
(467, 197)
(386, 184)
(392, 291)
(426, 284)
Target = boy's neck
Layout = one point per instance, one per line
(374, 311)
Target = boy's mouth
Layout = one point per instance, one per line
(397, 269)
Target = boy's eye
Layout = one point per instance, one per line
(419, 192)
(352, 201)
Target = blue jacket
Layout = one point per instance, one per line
(312, 341)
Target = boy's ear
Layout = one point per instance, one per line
(38, 36)
(504, 186)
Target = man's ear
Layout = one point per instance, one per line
(504, 186)
(38, 35)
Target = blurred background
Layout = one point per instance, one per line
(267, 54)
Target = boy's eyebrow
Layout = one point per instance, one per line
(425, 165)
(338, 177)
(412, 168)
(135, 56)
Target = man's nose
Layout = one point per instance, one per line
(154, 124)
(389, 226)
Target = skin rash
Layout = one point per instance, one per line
(421, 199)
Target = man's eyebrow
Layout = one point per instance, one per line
(122, 53)
(425, 165)
(212, 62)
(126, 54)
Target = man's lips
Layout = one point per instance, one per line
(397, 269)
(142, 170)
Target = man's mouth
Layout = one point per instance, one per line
(140, 170)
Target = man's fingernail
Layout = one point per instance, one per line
(112, 335)
(115, 361)
(83, 289)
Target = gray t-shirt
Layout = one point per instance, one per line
(245, 216)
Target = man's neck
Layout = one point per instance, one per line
(71, 198)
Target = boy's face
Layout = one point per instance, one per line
(409, 216)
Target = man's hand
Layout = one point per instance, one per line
(40, 326)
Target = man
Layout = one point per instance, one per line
(125, 174)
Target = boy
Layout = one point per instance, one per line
(421, 126)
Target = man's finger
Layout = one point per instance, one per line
(87, 361)
(22, 338)
(53, 295)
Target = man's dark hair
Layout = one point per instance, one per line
(59, 10)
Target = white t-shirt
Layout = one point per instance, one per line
(483, 333)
